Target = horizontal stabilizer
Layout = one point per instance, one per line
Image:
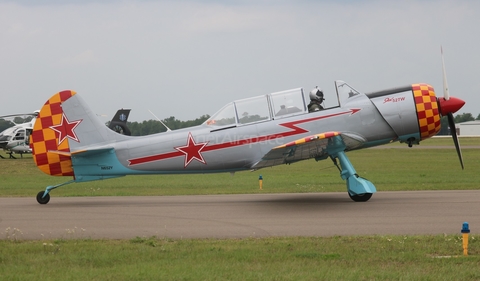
(63, 153)
(95, 178)
(89, 152)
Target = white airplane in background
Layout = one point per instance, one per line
(16, 139)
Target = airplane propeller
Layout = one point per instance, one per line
(448, 105)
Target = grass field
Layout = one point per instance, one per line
(437, 257)
(292, 258)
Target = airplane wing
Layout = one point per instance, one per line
(318, 146)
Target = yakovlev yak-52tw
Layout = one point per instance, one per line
(248, 134)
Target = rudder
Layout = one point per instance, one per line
(50, 149)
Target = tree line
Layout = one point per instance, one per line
(154, 126)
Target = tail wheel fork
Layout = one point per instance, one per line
(43, 197)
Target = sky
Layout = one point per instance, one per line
(189, 58)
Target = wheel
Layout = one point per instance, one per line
(41, 199)
(361, 197)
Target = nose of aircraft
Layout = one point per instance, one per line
(450, 105)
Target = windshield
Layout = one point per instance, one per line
(225, 116)
(20, 135)
(344, 91)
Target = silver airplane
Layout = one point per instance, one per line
(248, 134)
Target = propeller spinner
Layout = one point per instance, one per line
(449, 105)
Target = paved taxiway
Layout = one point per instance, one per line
(228, 216)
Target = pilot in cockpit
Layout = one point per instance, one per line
(316, 99)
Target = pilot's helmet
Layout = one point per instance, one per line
(316, 94)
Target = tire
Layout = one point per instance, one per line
(43, 200)
(361, 197)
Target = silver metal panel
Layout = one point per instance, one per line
(399, 110)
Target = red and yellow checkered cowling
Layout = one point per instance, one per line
(46, 150)
(427, 110)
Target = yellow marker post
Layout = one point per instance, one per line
(465, 231)
(260, 181)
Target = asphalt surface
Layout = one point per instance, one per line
(237, 216)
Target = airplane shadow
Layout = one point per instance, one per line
(308, 199)
(291, 200)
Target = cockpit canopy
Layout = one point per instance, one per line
(272, 106)
(260, 108)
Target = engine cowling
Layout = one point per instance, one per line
(411, 111)
(428, 113)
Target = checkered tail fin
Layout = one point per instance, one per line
(66, 126)
(50, 151)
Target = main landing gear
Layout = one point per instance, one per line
(359, 189)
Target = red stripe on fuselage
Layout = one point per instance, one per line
(291, 125)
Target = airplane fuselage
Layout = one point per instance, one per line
(249, 134)
(234, 147)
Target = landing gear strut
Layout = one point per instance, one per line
(359, 189)
(43, 197)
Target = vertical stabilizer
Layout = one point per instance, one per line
(51, 152)
(66, 125)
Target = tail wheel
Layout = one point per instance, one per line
(41, 199)
(361, 197)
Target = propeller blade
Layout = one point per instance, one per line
(446, 95)
(453, 131)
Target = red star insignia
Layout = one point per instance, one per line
(192, 150)
(66, 129)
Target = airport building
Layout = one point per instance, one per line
(470, 128)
